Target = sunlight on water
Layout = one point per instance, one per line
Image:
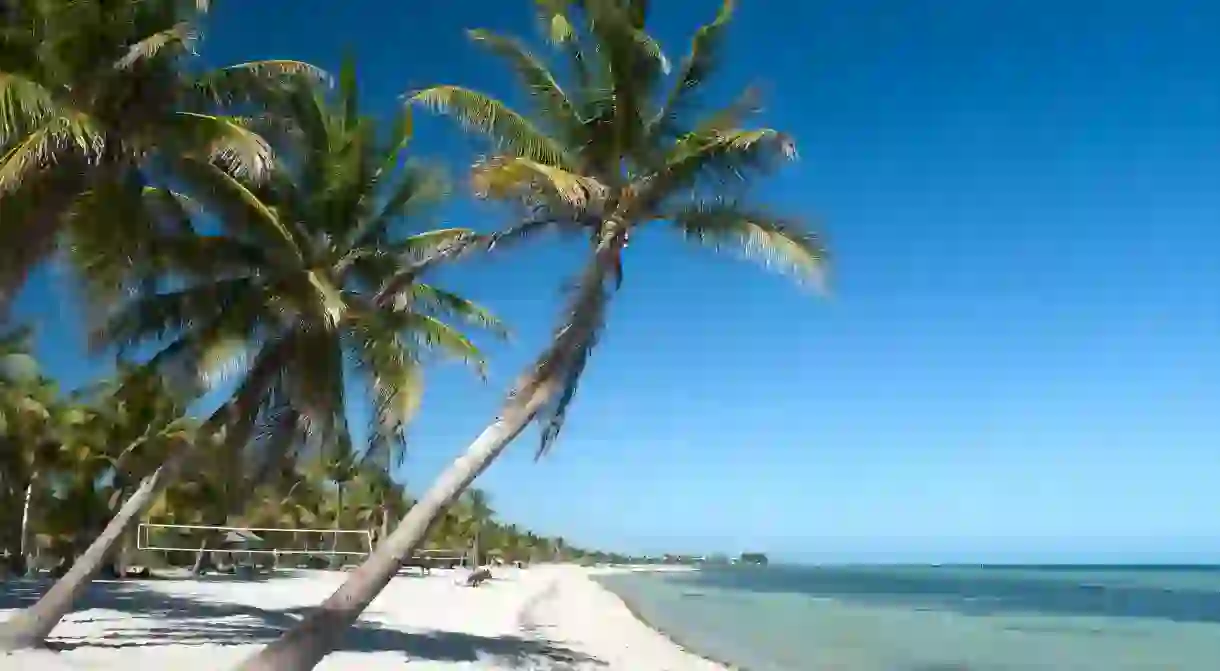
(939, 619)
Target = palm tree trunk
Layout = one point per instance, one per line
(334, 542)
(201, 557)
(29, 627)
(302, 647)
(385, 525)
(25, 521)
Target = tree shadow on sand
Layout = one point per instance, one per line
(186, 620)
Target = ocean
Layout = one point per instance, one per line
(938, 618)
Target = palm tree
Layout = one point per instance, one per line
(283, 295)
(31, 418)
(615, 150)
(479, 509)
(95, 97)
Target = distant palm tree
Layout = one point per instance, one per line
(32, 416)
(478, 508)
(283, 295)
(93, 93)
(615, 150)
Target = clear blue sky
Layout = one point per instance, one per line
(1021, 359)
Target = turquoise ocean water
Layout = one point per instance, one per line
(938, 618)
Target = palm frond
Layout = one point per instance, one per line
(553, 14)
(511, 132)
(257, 81)
(777, 242)
(527, 230)
(450, 306)
(161, 316)
(506, 177)
(697, 65)
(551, 101)
(431, 249)
(432, 334)
(416, 189)
(396, 382)
(24, 104)
(316, 390)
(717, 156)
(226, 142)
(558, 371)
(75, 133)
(239, 206)
(181, 35)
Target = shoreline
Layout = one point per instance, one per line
(670, 636)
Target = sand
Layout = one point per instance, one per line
(540, 618)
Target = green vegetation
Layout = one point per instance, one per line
(251, 231)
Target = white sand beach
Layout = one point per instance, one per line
(541, 618)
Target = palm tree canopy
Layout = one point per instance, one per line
(623, 139)
(276, 293)
(92, 91)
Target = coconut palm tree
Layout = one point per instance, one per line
(125, 427)
(279, 300)
(32, 415)
(95, 96)
(617, 148)
(480, 514)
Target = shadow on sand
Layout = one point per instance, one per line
(189, 621)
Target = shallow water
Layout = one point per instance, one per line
(950, 618)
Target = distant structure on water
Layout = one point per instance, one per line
(756, 558)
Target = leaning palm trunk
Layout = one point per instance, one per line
(29, 627)
(305, 645)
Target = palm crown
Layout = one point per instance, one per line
(619, 145)
(91, 92)
(280, 288)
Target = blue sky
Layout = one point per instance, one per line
(1020, 358)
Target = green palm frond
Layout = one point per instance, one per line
(718, 156)
(181, 35)
(240, 206)
(777, 242)
(430, 246)
(73, 133)
(417, 189)
(24, 104)
(510, 131)
(432, 334)
(697, 65)
(158, 317)
(553, 14)
(226, 142)
(562, 365)
(506, 177)
(396, 381)
(447, 305)
(551, 101)
(256, 81)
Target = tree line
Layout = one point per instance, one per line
(70, 457)
(252, 230)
